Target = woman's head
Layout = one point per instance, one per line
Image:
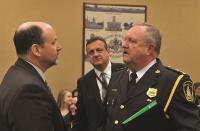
(64, 98)
(197, 88)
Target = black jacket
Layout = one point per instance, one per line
(26, 103)
(182, 114)
(91, 110)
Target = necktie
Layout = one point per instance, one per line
(132, 80)
(133, 77)
(104, 85)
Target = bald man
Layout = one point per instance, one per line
(26, 102)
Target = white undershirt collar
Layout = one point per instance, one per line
(141, 72)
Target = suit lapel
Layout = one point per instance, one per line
(95, 89)
(29, 68)
(26, 66)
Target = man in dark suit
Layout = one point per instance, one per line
(26, 102)
(91, 88)
(157, 97)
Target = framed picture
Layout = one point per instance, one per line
(110, 22)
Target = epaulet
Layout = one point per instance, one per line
(175, 70)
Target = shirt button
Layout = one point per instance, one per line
(107, 103)
(116, 122)
(121, 106)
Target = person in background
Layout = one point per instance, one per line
(197, 93)
(161, 97)
(73, 107)
(64, 101)
(75, 96)
(26, 102)
(92, 87)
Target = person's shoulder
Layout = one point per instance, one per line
(120, 73)
(86, 76)
(175, 71)
(118, 67)
(177, 76)
(183, 82)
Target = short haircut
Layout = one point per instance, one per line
(25, 38)
(196, 85)
(95, 38)
(153, 35)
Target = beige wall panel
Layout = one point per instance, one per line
(179, 22)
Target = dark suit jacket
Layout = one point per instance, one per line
(26, 103)
(183, 115)
(90, 107)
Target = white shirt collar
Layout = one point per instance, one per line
(141, 72)
(107, 71)
(38, 70)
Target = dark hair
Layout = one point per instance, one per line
(75, 93)
(196, 85)
(25, 38)
(95, 38)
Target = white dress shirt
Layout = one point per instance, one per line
(107, 72)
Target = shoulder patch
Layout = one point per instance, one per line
(188, 90)
(175, 70)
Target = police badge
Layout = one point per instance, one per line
(152, 92)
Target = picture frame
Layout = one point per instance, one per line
(110, 22)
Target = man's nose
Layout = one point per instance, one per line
(124, 43)
(59, 48)
(96, 53)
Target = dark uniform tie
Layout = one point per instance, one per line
(104, 85)
(133, 77)
(132, 80)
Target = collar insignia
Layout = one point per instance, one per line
(157, 71)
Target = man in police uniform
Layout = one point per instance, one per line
(153, 82)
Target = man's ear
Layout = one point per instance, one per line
(150, 48)
(35, 48)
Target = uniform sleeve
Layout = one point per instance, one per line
(31, 110)
(80, 117)
(183, 112)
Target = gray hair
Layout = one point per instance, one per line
(153, 35)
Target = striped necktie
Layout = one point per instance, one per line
(104, 85)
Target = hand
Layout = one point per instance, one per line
(73, 109)
(198, 106)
